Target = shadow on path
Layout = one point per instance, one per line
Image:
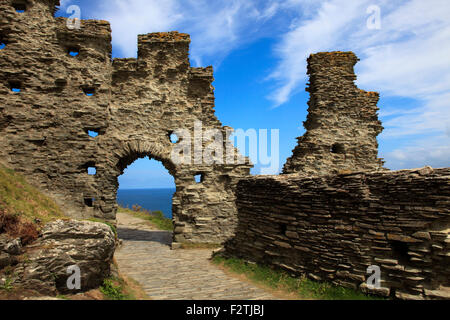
(163, 237)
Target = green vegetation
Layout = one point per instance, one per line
(114, 289)
(18, 198)
(7, 286)
(155, 217)
(279, 280)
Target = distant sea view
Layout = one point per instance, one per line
(150, 199)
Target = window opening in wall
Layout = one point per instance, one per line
(400, 251)
(60, 82)
(89, 91)
(283, 229)
(199, 178)
(73, 51)
(92, 133)
(15, 86)
(89, 202)
(92, 171)
(2, 45)
(337, 148)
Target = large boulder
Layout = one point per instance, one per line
(65, 243)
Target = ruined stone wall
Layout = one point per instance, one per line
(133, 105)
(342, 123)
(332, 228)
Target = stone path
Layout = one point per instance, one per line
(166, 274)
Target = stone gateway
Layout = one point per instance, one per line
(59, 84)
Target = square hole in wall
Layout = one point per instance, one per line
(89, 202)
(73, 51)
(92, 133)
(89, 91)
(173, 137)
(60, 82)
(400, 251)
(283, 229)
(15, 86)
(337, 148)
(92, 171)
(199, 177)
(2, 45)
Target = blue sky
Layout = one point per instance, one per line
(259, 48)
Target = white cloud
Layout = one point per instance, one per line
(323, 31)
(64, 3)
(216, 27)
(435, 153)
(130, 18)
(432, 117)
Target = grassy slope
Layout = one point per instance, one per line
(19, 198)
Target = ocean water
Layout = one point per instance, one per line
(150, 199)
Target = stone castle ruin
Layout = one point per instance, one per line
(334, 212)
(132, 104)
(342, 123)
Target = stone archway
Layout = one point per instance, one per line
(130, 104)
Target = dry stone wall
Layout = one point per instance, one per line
(132, 104)
(342, 123)
(332, 228)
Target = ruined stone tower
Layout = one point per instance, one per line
(50, 100)
(342, 123)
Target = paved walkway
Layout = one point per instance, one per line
(166, 274)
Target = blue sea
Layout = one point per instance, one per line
(150, 199)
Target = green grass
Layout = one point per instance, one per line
(155, 217)
(279, 280)
(18, 197)
(113, 227)
(114, 289)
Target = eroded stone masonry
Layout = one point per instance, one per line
(342, 123)
(69, 87)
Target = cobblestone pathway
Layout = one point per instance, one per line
(145, 256)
